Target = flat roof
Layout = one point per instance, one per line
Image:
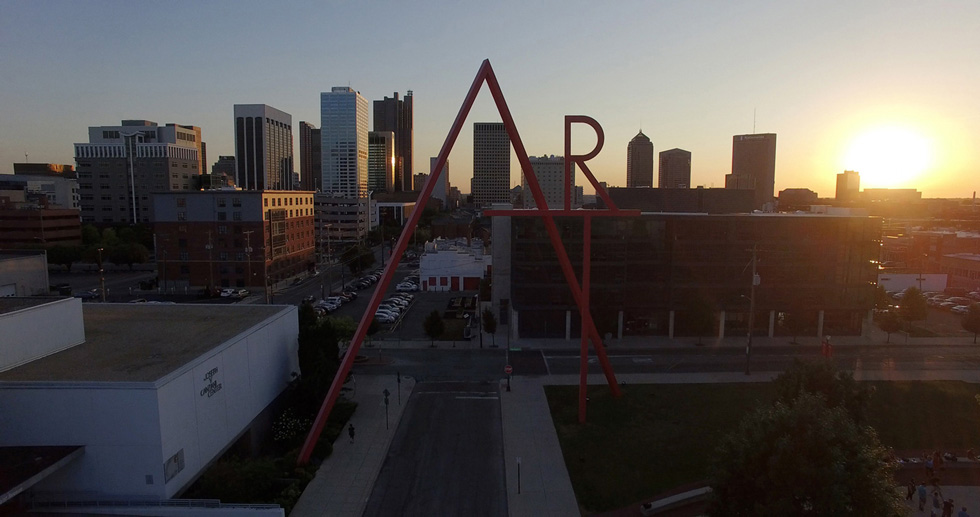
(142, 342)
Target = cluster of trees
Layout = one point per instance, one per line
(810, 452)
(127, 245)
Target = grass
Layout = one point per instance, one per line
(658, 437)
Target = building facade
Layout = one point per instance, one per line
(263, 147)
(344, 142)
(754, 167)
(310, 159)
(848, 187)
(39, 227)
(233, 238)
(550, 173)
(639, 162)
(651, 273)
(122, 166)
(491, 163)
(453, 265)
(395, 115)
(381, 161)
(675, 169)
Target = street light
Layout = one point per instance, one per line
(248, 255)
(101, 276)
(748, 346)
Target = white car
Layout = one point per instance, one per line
(383, 318)
(391, 308)
(397, 301)
(961, 309)
(406, 287)
(228, 291)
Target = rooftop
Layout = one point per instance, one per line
(141, 342)
(965, 256)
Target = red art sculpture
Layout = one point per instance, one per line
(580, 292)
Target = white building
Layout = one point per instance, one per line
(23, 273)
(151, 403)
(344, 142)
(453, 265)
(550, 172)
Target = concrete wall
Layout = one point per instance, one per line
(27, 272)
(204, 408)
(41, 330)
(118, 425)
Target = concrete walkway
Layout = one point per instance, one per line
(344, 481)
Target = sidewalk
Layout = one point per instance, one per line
(344, 481)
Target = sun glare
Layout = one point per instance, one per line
(889, 157)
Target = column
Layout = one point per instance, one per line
(721, 325)
(568, 325)
(670, 326)
(772, 323)
(619, 332)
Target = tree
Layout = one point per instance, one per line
(802, 458)
(91, 235)
(971, 321)
(914, 306)
(318, 356)
(485, 287)
(882, 301)
(837, 387)
(795, 321)
(358, 258)
(129, 254)
(434, 326)
(490, 325)
(64, 255)
(889, 322)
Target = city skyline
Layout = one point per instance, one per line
(885, 77)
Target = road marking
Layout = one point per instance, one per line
(456, 393)
(485, 398)
(643, 360)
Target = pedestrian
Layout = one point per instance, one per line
(948, 508)
(350, 431)
(936, 503)
(922, 496)
(911, 490)
(823, 347)
(830, 349)
(962, 513)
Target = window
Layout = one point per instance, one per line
(182, 228)
(181, 202)
(235, 201)
(236, 216)
(222, 216)
(221, 202)
(181, 216)
(184, 255)
(223, 255)
(222, 230)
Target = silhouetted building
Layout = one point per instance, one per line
(441, 189)
(122, 166)
(675, 169)
(491, 163)
(796, 198)
(395, 115)
(657, 274)
(263, 147)
(46, 169)
(310, 166)
(639, 162)
(420, 179)
(848, 186)
(381, 161)
(695, 200)
(754, 166)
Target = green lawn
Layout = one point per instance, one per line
(658, 437)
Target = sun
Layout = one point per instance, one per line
(890, 156)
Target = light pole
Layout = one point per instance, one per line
(248, 255)
(101, 276)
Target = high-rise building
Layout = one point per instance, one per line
(344, 142)
(639, 162)
(263, 147)
(675, 169)
(550, 173)
(222, 174)
(395, 115)
(848, 186)
(309, 157)
(420, 179)
(491, 163)
(754, 166)
(441, 189)
(381, 161)
(121, 166)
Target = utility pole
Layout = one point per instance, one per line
(209, 247)
(755, 282)
(101, 276)
(248, 255)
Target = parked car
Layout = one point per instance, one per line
(241, 293)
(87, 295)
(948, 305)
(228, 291)
(961, 309)
(397, 301)
(309, 299)
(336, 300)
(406, 287)
(386, 314)
(404, 296)
(384, 318)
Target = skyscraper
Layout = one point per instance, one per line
(491, 163)
(675, 169)
(121, 166)
(754, 166)
(550, 173)
(639, 162)
(381, 161)
(310, 166)
(263, 147)
(344, 142)
(441, 189)
(392, 114)
(848, 186)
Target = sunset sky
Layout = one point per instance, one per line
(889, 88)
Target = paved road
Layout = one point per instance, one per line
(447, 455)
(470, 364)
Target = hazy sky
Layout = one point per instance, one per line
(833, 79)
